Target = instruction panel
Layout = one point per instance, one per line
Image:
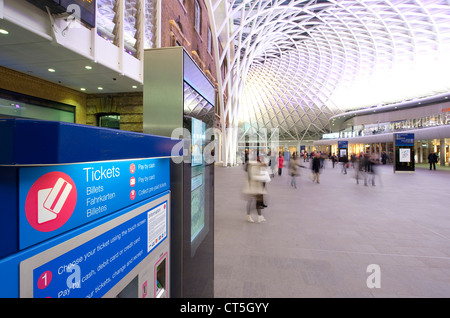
(92, 268)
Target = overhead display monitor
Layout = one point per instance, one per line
(83, 10)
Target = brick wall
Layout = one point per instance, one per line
(183, 19)
(128, 105)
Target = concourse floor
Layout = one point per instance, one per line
(322, 240)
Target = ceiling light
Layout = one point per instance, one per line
(51, 70)
(4, 32)
(83, 89)
(134, 86)
(88, 67)
(100, 88)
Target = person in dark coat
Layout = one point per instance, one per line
(344, 160)
(316, 167)
(333, 159)
(432, 159)
(383, 157)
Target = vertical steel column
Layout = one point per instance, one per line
(119, 17)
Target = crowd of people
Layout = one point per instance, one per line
(263, 169)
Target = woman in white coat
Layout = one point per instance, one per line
(257, 176)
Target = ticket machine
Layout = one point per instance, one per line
(85, 211)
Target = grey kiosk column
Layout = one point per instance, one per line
(172, 83)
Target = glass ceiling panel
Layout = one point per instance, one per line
(320, 58)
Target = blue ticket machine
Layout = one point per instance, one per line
(85, 211)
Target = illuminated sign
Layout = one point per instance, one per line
(404, 139)
(83, 10)
(88, 5)
(330, 136)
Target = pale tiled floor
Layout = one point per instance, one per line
(319, 239)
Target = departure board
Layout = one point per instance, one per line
(83, 10)
(88, 5)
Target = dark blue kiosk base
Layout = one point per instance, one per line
(86, 211)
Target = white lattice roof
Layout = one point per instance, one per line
(292, 64)
(296, 63)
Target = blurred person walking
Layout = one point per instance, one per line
(333, 159)
(294, 166)
(265, 170)
(272, 164)
(280, 163)
(344, 160)
(316, 168)
(360, 173)
(255, 190)
(374, 162)
(353, 160)
(367, 168)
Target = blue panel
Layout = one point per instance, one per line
(9, 266)
(48, 142)
(404, 139)
(6, 140)
(8, 212)
(342, 144)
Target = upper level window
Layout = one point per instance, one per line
(209, 41)
(197, 16)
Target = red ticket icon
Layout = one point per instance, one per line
(50, 201)
(54, 200)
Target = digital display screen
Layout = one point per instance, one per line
(197, 141)
(89, 5)
(198, 178)
(197, 205)
(84, 10)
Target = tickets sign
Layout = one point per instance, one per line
(55, 199)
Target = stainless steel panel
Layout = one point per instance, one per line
(163, 91)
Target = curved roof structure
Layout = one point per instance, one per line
(293, 64)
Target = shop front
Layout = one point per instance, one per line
(438, 146)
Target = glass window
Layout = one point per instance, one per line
(197, 16)
(209, 41)
(447, 118)
(22, 106)
(108, 120)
